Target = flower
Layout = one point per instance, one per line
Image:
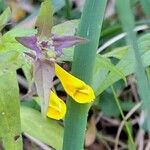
(56, 108)
(77, 89)
(45, 54)
(55, 44)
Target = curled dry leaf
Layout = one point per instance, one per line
(91, 132)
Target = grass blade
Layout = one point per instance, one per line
(127, 21)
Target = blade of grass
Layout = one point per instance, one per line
(127, 20)
(126, 123)
(83, 64)
(146, 6)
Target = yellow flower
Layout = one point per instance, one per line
(77, 89)
(57, 107)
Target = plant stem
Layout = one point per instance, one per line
(82, 67)
(126, 123)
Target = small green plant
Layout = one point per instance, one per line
(63, 122)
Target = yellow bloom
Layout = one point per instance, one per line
(57, 107)
(77, 89)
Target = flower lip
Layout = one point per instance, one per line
(57, 107)
(76, 88)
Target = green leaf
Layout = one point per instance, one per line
(143, 85)
(44, 21)
(28, 72)
(118, 52)
(145, 4)
(66, 28)
(8, 41)
(10, 128)
(108, 105)
(126, 65)
(46, 130)
(4, 18)
(102, 67)
(10, 61)
(57, 5)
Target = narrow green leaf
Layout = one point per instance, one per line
(146, 5)
(10, 128)
(46, 130)
(44, 21)
(4, 17)
(127, 21)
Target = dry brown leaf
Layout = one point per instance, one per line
(91, 132)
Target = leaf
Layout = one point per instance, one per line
(126, 65)
(4, 17)
(91, 132)
(118, 52)
(8, 41)
(57, 5)
(44, 21)
(10, 128)
(67, 28)
(102, 68)
(43, 77)
(46, 130)
(10, 61)
(28, 72)
(108, 105)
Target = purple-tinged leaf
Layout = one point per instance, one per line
(61, 42)
(43, 76)
(44, 21)
(31, 43)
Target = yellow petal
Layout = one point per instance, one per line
(77, 89)
(57, 107)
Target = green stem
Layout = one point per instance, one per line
(126, 123)
(82, 67)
